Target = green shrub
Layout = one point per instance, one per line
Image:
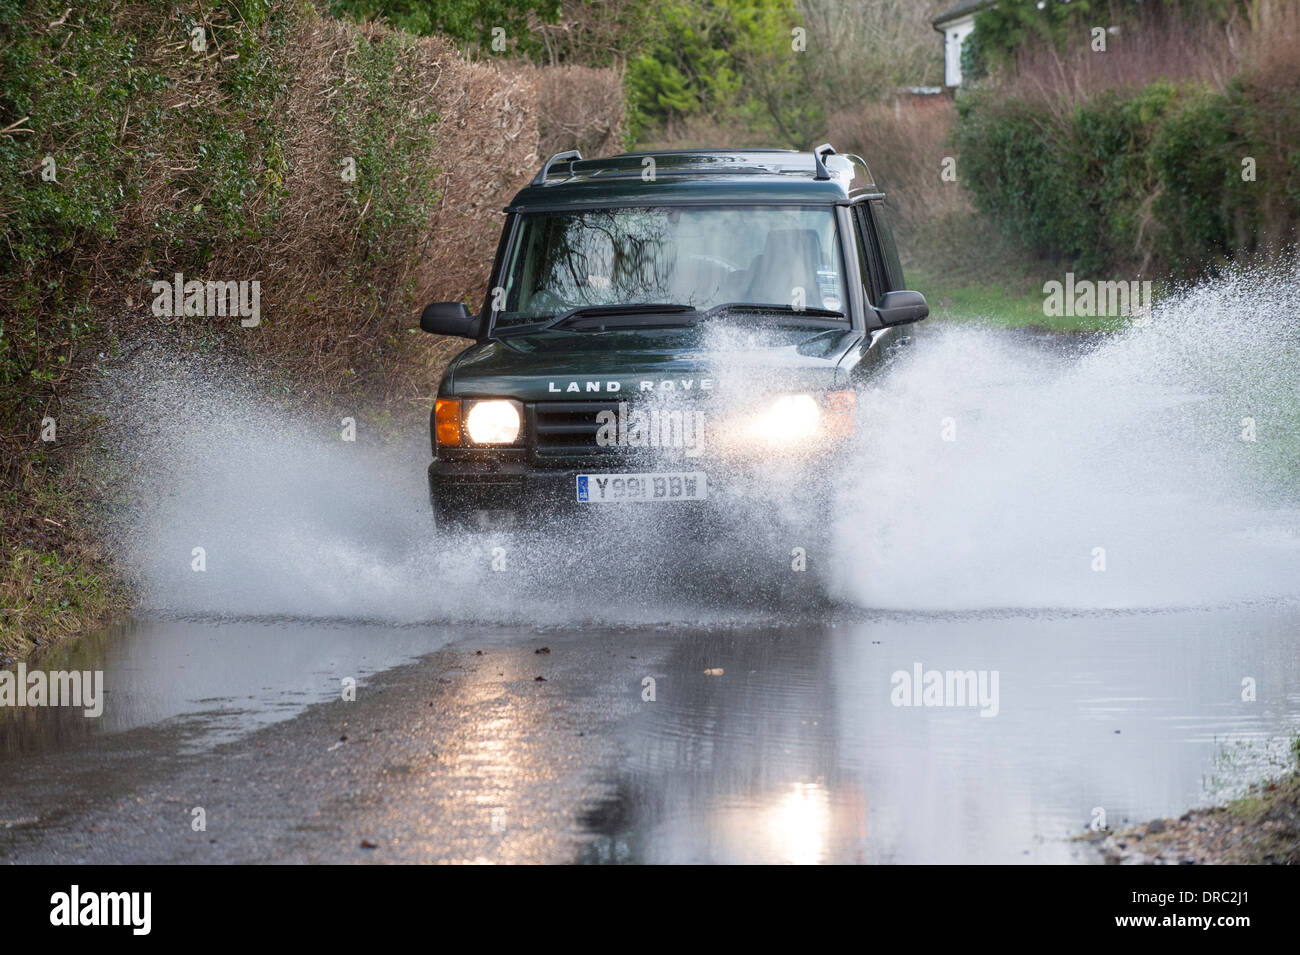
(1192, 158)
(106, 93)
(469, 21)
(1021, 173)
(1110, 135)
(1150, 180)
(395, 200)
(1010, 26)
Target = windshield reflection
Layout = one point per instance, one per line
(694, 256)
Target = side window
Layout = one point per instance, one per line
(868, 262)
(888, 250)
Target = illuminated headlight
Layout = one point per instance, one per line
(789, 419)
(793, 422)
(493, 422)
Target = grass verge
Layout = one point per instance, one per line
(970, 272)
(1015, 302)
(1260, 828)
(55, 577)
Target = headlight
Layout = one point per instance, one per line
(493, 422)
(791, 422)
(789, 419)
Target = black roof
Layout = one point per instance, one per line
(689, 175)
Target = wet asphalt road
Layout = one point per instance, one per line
(798, 751)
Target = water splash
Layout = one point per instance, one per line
(293, 521)
(1116, 476)
(1128, 449)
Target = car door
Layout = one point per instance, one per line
(883, 234)
(876, 280)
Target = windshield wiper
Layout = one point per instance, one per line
(602, 311)
(760, 308)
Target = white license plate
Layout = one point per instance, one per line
(638, 488)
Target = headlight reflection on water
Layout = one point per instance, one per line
(798, 826)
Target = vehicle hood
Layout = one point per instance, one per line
(558, 364)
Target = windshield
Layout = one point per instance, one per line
(699, 256)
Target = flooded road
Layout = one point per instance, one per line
(806, 747)
(1060, 592)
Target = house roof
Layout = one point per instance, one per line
(960, 9)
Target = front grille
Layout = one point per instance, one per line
(568, 428)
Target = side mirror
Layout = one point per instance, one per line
(902, 308)
(449, 318)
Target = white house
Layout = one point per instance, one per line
(956, 24)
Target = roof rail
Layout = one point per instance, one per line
(709, 151)
(853, 158)
(571, 155)
(822, 171)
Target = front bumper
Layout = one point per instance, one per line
(507, 493)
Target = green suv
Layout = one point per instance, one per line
(685, 328)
